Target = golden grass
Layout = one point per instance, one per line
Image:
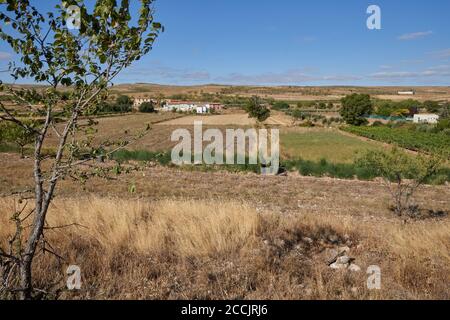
(184, 228)
(200, 249)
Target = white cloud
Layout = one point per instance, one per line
(415, 35)
(5, 55)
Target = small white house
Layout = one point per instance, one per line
(138, 101)
(407, 93)
(426, 118)
(203, 109)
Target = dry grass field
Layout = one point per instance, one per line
(191, 235)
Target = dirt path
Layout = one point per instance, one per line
(239, 119)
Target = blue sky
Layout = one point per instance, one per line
(291, 42)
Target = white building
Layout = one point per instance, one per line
(180, 106)
(407, 93)
(186, 106)
(426, 118)
(138, 101)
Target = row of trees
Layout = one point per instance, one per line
(356, 107)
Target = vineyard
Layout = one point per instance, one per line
(408, 139)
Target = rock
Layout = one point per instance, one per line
(307, 240)
(330, 255)
(337, 265)
(343, 260)
(333, 238)
(354, 290)
(266, 242)
(343, 249)
(353, 267)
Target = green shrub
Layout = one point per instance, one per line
(147, 107)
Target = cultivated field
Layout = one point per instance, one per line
(163, 232)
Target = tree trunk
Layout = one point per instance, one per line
(25, 279)
(40, 211)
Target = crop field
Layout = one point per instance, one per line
(408, 139)
(316, 144)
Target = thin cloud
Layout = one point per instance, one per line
(437, 71)
(293, 76)
(441, 54)
(415, 35)
(5, 55)
(160, 72)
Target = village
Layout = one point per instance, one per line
(179, 106)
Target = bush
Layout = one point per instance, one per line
(280, 105)
(395, 167)
(377, 124)
(147, 107)
(443, 124)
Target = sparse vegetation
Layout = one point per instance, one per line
(225, 249)
(402, 174)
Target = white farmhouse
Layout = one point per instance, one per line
(426, 118)
(407, 93)
(138, 101)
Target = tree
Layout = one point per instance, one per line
(355, 107)
(14, 133)
(147, 107)
(109, 39)
(431, 106)
(256, 110)
(445, 111)
(124, 102)
(402, 174)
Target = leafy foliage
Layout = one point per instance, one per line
(110, 38)
(256, 110)
(13, 133)
(355, 107)
(147, 107)
(403, 174)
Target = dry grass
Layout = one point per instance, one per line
(210, 249)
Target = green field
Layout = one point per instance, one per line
(317, 144)
(405, 138)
